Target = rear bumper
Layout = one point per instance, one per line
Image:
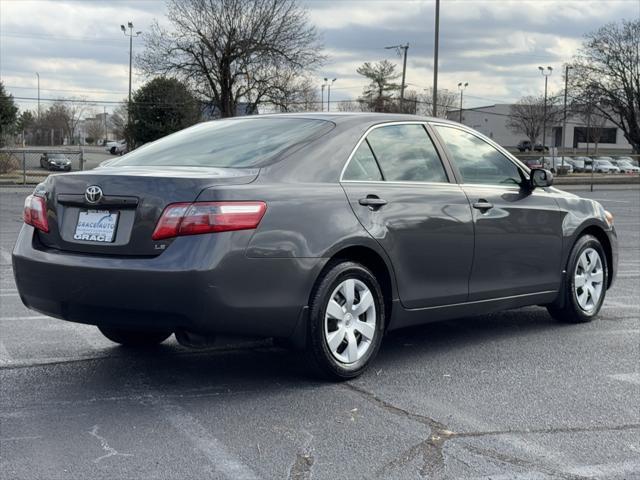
(199, 283)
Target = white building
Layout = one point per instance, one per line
(492, 120)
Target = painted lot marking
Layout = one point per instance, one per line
(32, 317)
(220, 457)
(627, 377)
(5, 256)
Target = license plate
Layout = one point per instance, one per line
(96, 226)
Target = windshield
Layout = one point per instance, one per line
(56, 155)
(237, 143)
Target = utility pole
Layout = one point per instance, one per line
(324, 85)
(329, 95)
(404, 49)
(461, 87)
(564, 116)
(435, 60)
(106, 133)
(546, 72)
(38, 75)
(130, 35)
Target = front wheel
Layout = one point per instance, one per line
(134, 338)
(586, 284)
(346, 321)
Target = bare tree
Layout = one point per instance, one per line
(66, 114)
(446, 101)
(348, 106)
(298, 95)
(94, 129)
(118, 121)
(378, 95)
(528, 118)
(233, 50)
(608, 66)
(589, 112)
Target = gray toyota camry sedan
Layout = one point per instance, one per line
(323, 231)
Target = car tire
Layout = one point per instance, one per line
(112, 150)
(586, 278)
(134, 338)
(339, 345)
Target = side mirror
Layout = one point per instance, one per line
(541, 178)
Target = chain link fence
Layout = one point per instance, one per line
(29, 166)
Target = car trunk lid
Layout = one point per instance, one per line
(113, 211)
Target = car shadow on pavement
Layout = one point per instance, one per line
(171, 370)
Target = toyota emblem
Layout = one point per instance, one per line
(93, 194)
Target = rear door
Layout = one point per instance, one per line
(518, 231)
(401, 192)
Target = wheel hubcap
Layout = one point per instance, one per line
(350, 321)
(588, 279)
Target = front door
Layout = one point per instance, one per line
(518, 231)
(400, 191)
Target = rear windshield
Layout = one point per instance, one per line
(237, 143)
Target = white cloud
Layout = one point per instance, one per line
(495, 45)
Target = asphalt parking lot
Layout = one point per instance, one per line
(513, 395)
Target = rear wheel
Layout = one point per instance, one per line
(346, 321)
(586, 284)
(134, 338)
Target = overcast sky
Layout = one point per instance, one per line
(495, 45)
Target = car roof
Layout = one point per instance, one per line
(349, 117)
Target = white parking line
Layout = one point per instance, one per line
(5, 356)
(222, 460)
(627, 377)
(5, 256)
(603, 470)
(31, 317)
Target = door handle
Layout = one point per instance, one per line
(483, 205)
(372, 201)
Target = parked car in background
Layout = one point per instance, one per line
(55, 161)
(625, 166)
(604, 165)
(525, 146)
(554, 163)
(576, 162)
(116, 148)
(532, 162)
(584, 164)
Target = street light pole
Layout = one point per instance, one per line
(329, 95)
(38, 75)
(435, 60)
(461, 87)
(564, 116)
(546, 72)
(130, 35)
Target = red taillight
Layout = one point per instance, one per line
(208, 217)
(35, 213)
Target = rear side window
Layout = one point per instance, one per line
(363, 165)
(477, 161)
(238, 143)
(405, 153)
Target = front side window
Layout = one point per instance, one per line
(406, 153)
(363, 165)
(477, 161)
